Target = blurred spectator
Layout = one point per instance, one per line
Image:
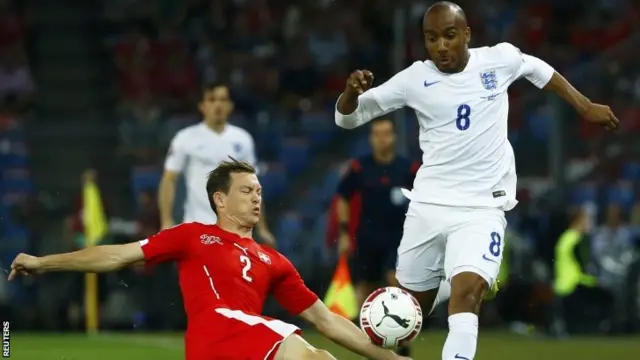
(634, 218)
(612, 247)
(12, 25)
(15, 77)
(141, 131)
(582, 303)
(299, 77)
(135, 59)
(148, 215)
(613, 252)
(326, 42)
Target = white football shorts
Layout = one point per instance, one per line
(440, 242)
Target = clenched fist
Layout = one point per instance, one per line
(25, 265)
(601, 115)
(359, 81)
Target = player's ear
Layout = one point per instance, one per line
(467, 35)
(218, 199)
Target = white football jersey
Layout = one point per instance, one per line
(467, 160)
(197, 150)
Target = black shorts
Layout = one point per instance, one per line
(371, 264)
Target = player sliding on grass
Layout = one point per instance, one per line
(454, 228)
(225, 277)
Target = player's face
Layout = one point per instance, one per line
(244, 200)
(216, 104)
(446, 38)
(382, 137)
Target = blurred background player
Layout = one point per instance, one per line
(196, 150)
(580, 300)
(225, 277)
(455, 225)
(375, 180)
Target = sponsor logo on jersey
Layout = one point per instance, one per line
(244, 249)
(210, 239)
(499, 193)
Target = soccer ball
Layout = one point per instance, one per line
(391, 317)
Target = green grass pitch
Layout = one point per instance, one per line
(138, 346)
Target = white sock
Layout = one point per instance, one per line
(463, 337)
(444, 293)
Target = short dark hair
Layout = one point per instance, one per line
(384, 119)
(219, 179)
(212, 86)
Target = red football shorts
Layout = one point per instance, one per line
(235, 335)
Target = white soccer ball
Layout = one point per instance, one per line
(391, 317)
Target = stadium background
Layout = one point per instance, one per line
(100, 87)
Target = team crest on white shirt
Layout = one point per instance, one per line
(264, 258)
(489, 79)
(237, 147)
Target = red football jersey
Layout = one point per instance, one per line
(219, 269)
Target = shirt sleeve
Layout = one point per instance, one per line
(375, 102)
(177, 155)
(350, 183)
(167, 245)
(290, 290)
(537, 71)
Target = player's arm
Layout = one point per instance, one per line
(174, 163)
(97, 259)
(343, 332)
(166, 197)
(291, 292)
(164, 246)
(358, 104)
(595, 113)
(542, 75)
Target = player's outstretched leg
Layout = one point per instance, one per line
(295, 347)
(467, 292)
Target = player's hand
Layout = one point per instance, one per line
(344, 244)
(359, 81)
(25, 265)
(268, 238)
(601, 115)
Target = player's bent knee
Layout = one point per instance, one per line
(477, 273)
(295, 347)
(322, 355)
(312, 354)
(467, 291)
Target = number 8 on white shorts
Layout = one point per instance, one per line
(442, 241)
